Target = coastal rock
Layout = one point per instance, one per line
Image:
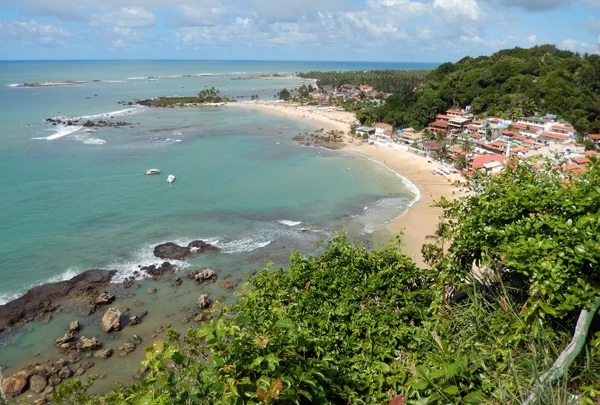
(73, 327)
(126, 348)
(54, 380)
(37, 383)
(111, 320)
(203, 301)
(199, 246)
(104, 298)
(135, 320)
(15, 384)
(151, 290)
(171, 251)
(47, 298)
(65, 373)
(68, 337)
(135, 339)
(103, 353)
(203, 275)
(156, 272)
(87, 344)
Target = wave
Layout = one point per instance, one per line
(13, 85)
(60, 132)
(126, 111)
(66, 275)
(407, 183)
(289, 223)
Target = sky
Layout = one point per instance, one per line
(316, 30)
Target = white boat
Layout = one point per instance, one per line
(171, 178)
(153, 171)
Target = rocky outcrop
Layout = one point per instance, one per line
(111, 320)
(15, 384)
(172, 251)
(103, 353)
(104, 298)
(88, 344)
(47, 298)
(156, 272)
(203, 301)
(202, 275)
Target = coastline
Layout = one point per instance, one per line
(421, 218)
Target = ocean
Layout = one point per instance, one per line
(77, 198)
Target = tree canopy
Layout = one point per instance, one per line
(511, 82)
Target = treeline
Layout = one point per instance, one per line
(510, 83)
(385, 81)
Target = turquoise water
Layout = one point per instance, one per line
(74, 200)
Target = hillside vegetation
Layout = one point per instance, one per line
(510, 83)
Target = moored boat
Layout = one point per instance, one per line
(153, 171)
(170, 178)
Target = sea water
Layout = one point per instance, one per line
(75, 198)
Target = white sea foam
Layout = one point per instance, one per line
(289, 223)
(8, 297)
(13, 85)
(143, 256)
(93, 141)
(407, 183)
(61, 132)
(242, 245)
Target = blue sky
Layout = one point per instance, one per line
(345, 30)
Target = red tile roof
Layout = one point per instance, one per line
(478, 161)
(382, 125)
(594, 137)
(580, 160)
(557, 137)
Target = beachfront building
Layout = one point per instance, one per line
(492, 163)
(365, 131)
(383, 132)
(409, 136)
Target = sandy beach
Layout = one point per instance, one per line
(421, 219)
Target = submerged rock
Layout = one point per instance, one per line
(203, 301)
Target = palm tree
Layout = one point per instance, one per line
(467, 146)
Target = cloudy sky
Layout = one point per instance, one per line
(344, 30)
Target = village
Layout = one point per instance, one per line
(463, 143)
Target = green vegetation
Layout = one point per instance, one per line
(359, 326)
(386, 81)
(510, 83)
(204, 96)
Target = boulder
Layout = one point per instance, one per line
(15, 384)
(111, 320)
(103, 353)
(73, 327)
(199, 246)
(86, 344)
(104, 298)
(136, 339)
(171, 251)
(229, 284)
(156, 272)
(68, 337)
(126, 348)
(37, 383)
(65, 373)
(203, 301)
(205, 275)
(135, 320)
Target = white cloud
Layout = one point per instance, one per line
(533, 5)
(125, 17)
(455, 10)
(576, 45)
(198, 15)
(31, 33)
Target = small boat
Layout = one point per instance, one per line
(153, 171)
(170, 178)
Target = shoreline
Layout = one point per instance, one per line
(421, 219)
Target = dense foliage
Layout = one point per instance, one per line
(510, 83)
(362, 326)
(386, 81)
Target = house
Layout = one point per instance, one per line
(383, 132)
(458, 124)
(478, 161)
(595, 138)
(365, 131)
(409, 136)
(552, 137)
(439, 126)
(430, 146)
